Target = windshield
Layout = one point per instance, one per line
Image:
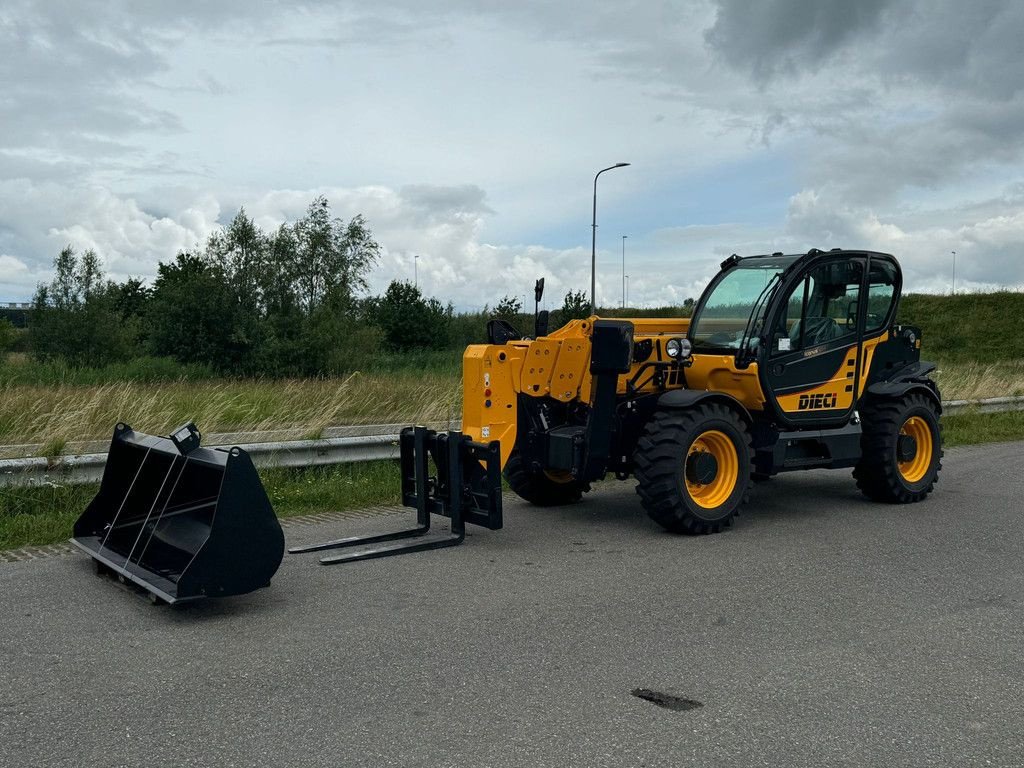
(722, 321)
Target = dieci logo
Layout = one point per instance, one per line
(823, 400)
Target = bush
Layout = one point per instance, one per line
(75, 317)
(411, 322)
(8, 334)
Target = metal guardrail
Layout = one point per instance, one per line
(351, 448)
(988, 405)
(88, 467)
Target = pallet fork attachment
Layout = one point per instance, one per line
(466, 489)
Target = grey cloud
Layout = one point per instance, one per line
(877, 159)
(874, 98)
(68, 72)
(892, 95)
(789, 36)
(952, 46)
(443, 202)
(988, 236)
(75, 73)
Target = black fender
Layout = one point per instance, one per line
(687, 398)
(911, 378)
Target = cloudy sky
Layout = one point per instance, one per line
(469, 134)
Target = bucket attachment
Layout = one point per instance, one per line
(467, 489)
(179, 520)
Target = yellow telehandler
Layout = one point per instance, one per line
(788, 362)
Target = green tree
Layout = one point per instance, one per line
(76, 317)
(190, 313)
(575, 306)
(319, 267)
(239, 252)
(508, 308)
(131, 298)
(331, 260)
(411, 322)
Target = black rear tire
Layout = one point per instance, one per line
(880, 474)
(662, 459)
(540, 488)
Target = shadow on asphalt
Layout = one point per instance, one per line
(805, 496)
(188, 612)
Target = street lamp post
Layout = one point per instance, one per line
(624, 271)
(626, 292)
(593, 240)
(416, 270)
(954, 273)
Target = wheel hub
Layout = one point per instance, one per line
(701, 468)
(906, 448)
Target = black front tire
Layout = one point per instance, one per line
(661, 460)
(539, 488)
(879, 473)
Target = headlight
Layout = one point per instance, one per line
(678, 349)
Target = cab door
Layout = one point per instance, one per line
(811, 359)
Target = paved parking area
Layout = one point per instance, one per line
(821, 629)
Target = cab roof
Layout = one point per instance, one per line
(785, 261)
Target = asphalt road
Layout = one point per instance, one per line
(821, 630)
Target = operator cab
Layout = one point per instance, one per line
(822, 303)
(805, 325)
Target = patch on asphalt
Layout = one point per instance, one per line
(34, 553)
(666, 700)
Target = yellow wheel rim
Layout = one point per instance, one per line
(716, 492)
(914, 470)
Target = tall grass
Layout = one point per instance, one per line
(974, 337)
(973, 380)
(38, 414)
(65, 414)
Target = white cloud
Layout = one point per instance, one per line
(923, 240)
(15, 279)
(468, 135)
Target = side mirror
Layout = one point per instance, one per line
(538, 290)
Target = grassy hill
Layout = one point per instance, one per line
(973, 327)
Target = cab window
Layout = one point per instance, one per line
(881, 292)
(737, 303)
(821, 308)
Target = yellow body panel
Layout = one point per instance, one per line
(570, 369)
(557, 366)
(718, 373)
(539, 365)
(495, 369)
